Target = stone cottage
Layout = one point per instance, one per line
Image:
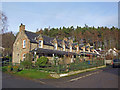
(41, 45)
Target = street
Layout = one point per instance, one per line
(101, 78)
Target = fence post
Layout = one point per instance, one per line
(68, 67)
(58, 68)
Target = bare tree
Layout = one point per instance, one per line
(3, 23)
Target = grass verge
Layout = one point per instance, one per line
(33, 74)
(30, 73)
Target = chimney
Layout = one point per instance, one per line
(21, 27)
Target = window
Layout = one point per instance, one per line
(23, 57)
(63, 47)
(77, 48)
(70, 48)
(24, 43)
(40, 46)
(55, 46)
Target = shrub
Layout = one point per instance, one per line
(28, 57)
(10, 59)
(77, 60)
(42, 61)
(15, 68)
(9, 68)
(4, 68)
(26, 64)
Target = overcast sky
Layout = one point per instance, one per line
(58, 14)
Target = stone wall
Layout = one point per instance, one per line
(18, 49)
(74, 50)
(33, 46)
(48, 47)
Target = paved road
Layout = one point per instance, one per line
(9, 81)
(102, 78)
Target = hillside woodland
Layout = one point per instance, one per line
(100, 37)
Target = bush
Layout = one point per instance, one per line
(10, 59)
(28, 57)
(4, 68)
(42, 61)
(26, 64)
(77, 60)
(15, 68)
(9, 68)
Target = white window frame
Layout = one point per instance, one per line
(77, 48)
(24, 43)
(40, 43)
(83, 49)
(63, 47)
(55, 46)
(70, 48)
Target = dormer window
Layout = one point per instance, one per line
(24, 43)
(63, 47)
(70, 48)
(83, 49)
(40, 43)
(55, 46)
(77, 48)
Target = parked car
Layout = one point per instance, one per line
(116, 63)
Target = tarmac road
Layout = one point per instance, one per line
(102, 78)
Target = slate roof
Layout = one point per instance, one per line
(46, 40)
(31, 36)
(49, 51)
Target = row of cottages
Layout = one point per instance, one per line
(41, 45)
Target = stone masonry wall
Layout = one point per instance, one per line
(33, 46)
(18, 49)
(48, 47)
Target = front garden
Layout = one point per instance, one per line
(42, 69)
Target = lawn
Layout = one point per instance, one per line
(30, 73)
(34, 74)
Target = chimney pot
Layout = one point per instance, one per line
(21, 27)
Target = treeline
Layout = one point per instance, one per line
(102, 37)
